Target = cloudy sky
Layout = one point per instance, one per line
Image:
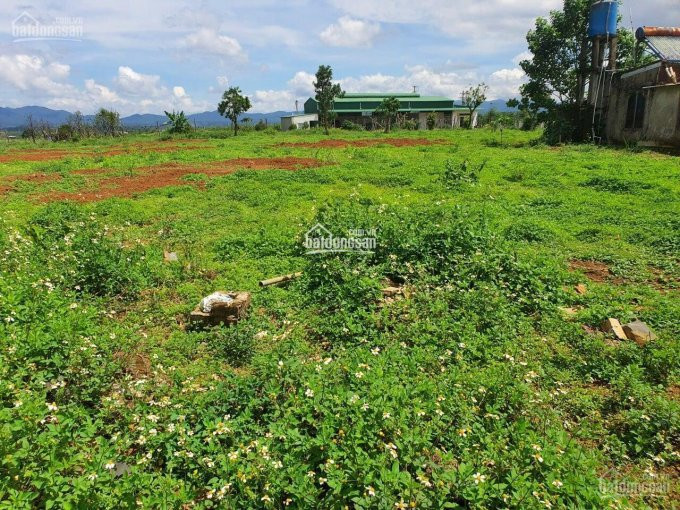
(149, 55)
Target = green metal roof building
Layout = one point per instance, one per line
(359, 108)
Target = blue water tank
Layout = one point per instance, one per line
(603, 18)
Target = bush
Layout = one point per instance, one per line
(614, 185)
(427, 245)
(431, 120)
(351, 126)
(64, 133)
(455, 175)
(524, 231)
(261, 125)
(235, 344)
(292, 127)
(410, 124)
(75, 251)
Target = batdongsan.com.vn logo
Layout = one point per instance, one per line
(612, 484)
(26, 27)
(319, 239)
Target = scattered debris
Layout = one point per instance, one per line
(121, 468)
(614, 327)
(580, 289)
(261, 335)
(170, 256)
(221, 308)
(639, 332)
(280, 279)
(216, 298)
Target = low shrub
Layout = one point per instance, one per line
(457, 174)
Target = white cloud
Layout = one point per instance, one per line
(302, 84)
(208, 41)
(223, 81)
(479, 24)
(525, 55)
(35, 79)
(100, 94)
(34, 75)
(133, 83)
(273, 100)
(350, 32)
(428, 81)
(505, 83)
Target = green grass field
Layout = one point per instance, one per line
(487, 384)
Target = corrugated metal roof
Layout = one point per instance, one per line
(378, 98)
(410, 110)
(666, 47)
(382, 94)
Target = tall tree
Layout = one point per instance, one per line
(325, 93)
(388, 109)
(559, 68)
(472, 99)
(232, 105)
(107, 122)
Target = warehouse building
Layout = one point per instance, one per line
(359, 108)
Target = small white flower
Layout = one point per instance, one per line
(52, 407)
(557, 483)
(109, 465)
(309, 393)
(478, 478)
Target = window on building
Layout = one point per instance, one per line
(636, 111)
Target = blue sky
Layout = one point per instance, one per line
(139, 56)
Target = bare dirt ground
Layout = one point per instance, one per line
(37, 155)
(170, 174)
(593, 270)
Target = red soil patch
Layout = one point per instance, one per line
(160, 147)
(170, 174)
(32, 155)
(15, 155)
(594, 271)
(337, 144)
(35, 178)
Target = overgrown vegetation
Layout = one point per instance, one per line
(469, 388)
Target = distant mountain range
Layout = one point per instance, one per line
(16, 118)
